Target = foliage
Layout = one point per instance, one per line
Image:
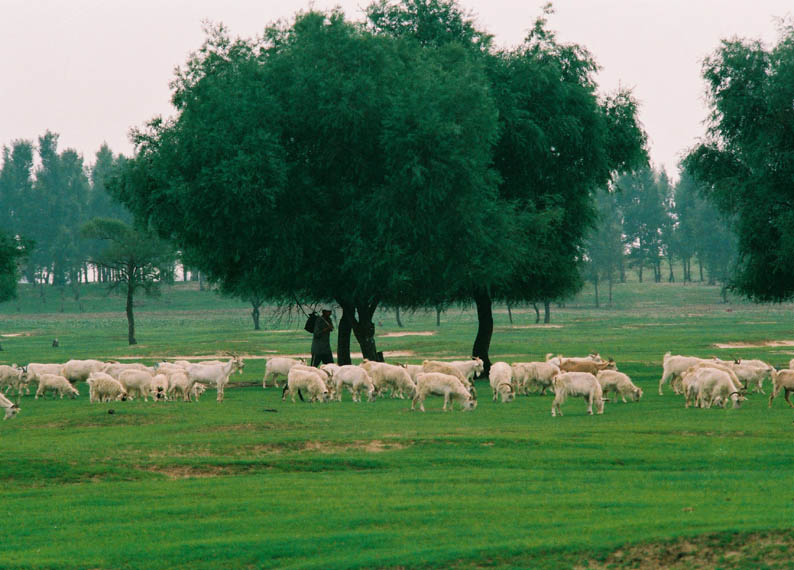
(745, 161)
(12, 251)
(135, 260)
(352, 168)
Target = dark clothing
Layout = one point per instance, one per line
(321, 342)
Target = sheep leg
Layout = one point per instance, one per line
(786, 396)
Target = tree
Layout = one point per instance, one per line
(135, 260)
(604, 246)
(345, 168)
(12, 251)
(641, 198)
(745, 160)
(557, 142)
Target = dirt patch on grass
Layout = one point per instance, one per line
(12, 335)
(754, 344)
(372, 446)
(770, 549)
(190, 471)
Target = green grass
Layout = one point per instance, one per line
(233, 485)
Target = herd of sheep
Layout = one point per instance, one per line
(704, 382)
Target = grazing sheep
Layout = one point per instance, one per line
(533, 375)
(79, 370)
(782, 380)
(440, 384)
(35, 370)
(180, 382)
(469, 368)
(195, 391)
(501, 378)
(137, 382)
(621, 384)
(159, 387)
(391, 376)
(14, 377)
(673, 366)
(355, 379)
(278, 366)
(104, 388)
(447, 368)
(10, 408)
(308, 380)
(586, 365)
(57, 384)
(575, 384)
(116, 368)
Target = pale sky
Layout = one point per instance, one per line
(90, 70)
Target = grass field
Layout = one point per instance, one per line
(255, 482)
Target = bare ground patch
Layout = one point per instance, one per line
(767, 549)
(191, 471)
(371, 446)
(538, 326)
(772, 343)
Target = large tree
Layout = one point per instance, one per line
(135, 261)
(346, 168)
(558, 142)
(746, 160)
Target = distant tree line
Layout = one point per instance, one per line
(659, 230)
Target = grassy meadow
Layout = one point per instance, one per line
(255, 482)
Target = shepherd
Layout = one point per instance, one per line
(321, 339)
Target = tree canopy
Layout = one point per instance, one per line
(746, 161)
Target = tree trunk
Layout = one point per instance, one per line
(343, 335)
(640, 273)
(610, 281)
(130, 315)
(595, 288)
(537, 313)
(547, 312)
(438, 316)
(482, 343)
(201, 280)
(255, 315)
(510, 314)
(397, 314)
(700, 268)
(364, 330)
(671, 278)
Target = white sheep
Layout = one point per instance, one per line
(533, 375)
(278, 366)
(104, 388)
(440, 384)
(79, 370)
(355, 379)
(13, 377)
(56, 383)
(195, 391)
(673, 366)
(469, 368)
(137, 382)
(390, 376)
(501, 378)
(215, 374)
(581, 384)
(10, 408)
(180, 382)
(159, 387)
(782, 380)
(621, 384)
(116, 368)
(308, 380)
(447, 368)
(35, 370)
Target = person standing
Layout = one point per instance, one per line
(321, 339)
